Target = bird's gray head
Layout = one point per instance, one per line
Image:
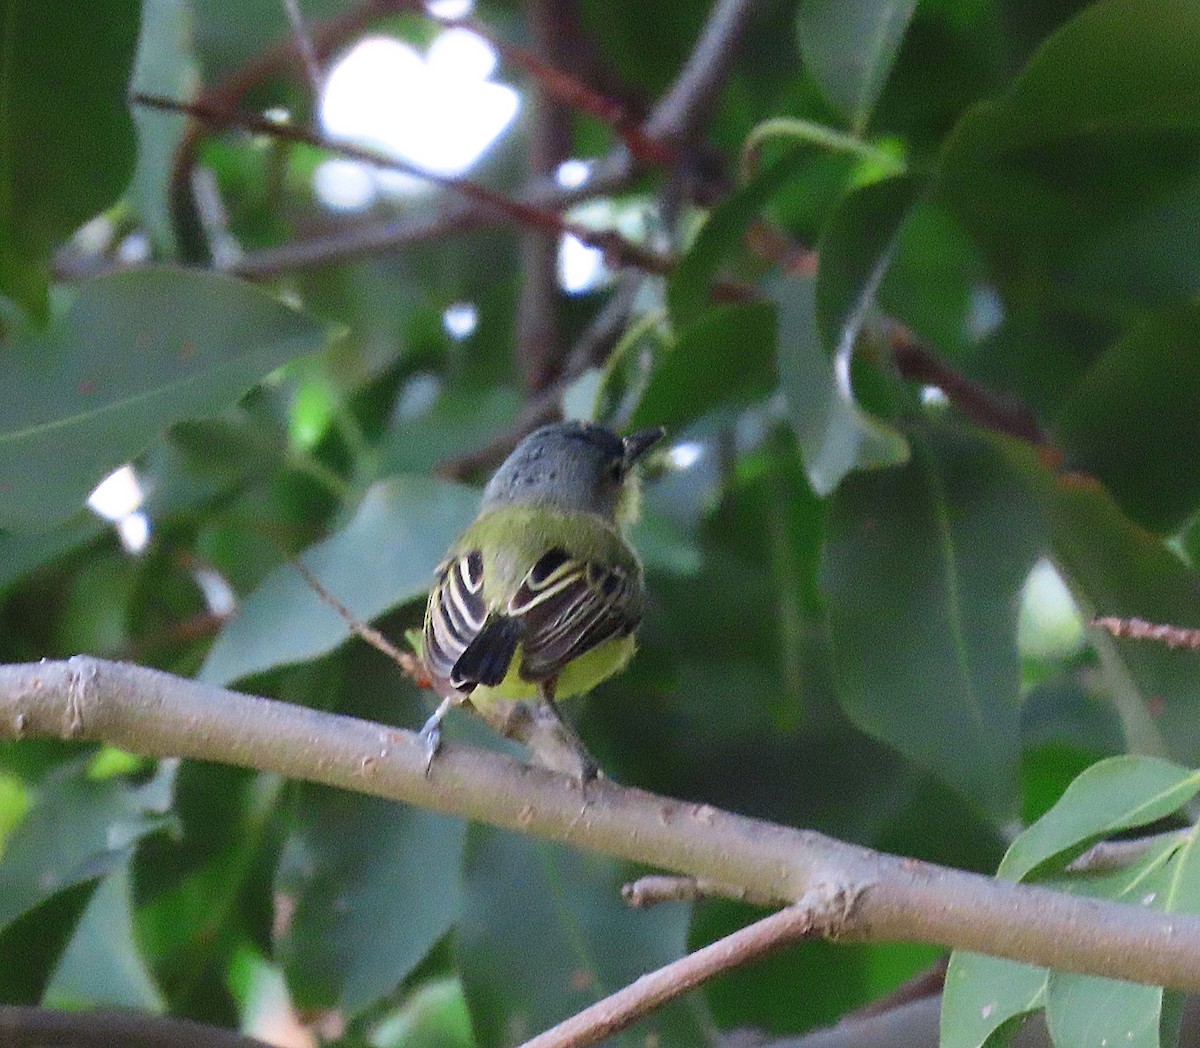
(573, 466)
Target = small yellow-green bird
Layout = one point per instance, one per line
(540, 597)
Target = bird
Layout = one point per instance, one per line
(539, 599)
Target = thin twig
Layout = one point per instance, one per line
(980, 405)
(672, 120)
(617, 250)
(927, 983)
(406, 660)
(556, 82)
(1114, 855)
(820, 913)
(324, 37)
(305, 46)
(1140, 629)
(538, 344)
(677, 118)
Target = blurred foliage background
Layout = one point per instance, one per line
(914, 296)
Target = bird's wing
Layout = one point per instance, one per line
(456, 613)
(562, 608)
(570, 606)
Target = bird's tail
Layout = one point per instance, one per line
(486, 659)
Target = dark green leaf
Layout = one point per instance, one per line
(1099, 135)
(725, 356)
(137, 352)
(849, 47)
(687, 293)
(1134, 420)
(39, 938)
(562, 908)
(836, 436)
(383, 557)
(856, 249)
(66, 138)
(76, 831)
(25, 552)
(1115, 568)
(1117, 794)
(984, 993)
(458, 422)
(922, 571)
(354, 866)
(102, 964)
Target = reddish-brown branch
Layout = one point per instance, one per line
(324, 38)
(538, 346)
(616, 249)
(674, 119)
(981, 406)
(557, 83)
(1140, 629)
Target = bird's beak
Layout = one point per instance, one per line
(637, 444)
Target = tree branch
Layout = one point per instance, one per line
(681, 112)
(28, 1027)
(819, 913)
(616, 248)
(674, 119)
(158, 715)
(538, 347)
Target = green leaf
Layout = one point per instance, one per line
(459, 421)
(849, 47)
(725, 356)
(66, 137)
(835, 434)
(352, 866)
(922, 571)
(163, 66)
(1134, 420)
(39, 938)
(1116, 794)
(137, 352)
(1083, 1011)
(1102, 125)
(563, 908)
(1113, 567)
(77, 831)
(383, 557)
(434, 1016)
(102, 964)
(24, 552)
(983, 993)
(856, 250)
(721, 235)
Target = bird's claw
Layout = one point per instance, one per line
(431, 734)
(431, 738)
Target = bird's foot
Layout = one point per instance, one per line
(431, 733)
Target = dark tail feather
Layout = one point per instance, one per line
(486, 659)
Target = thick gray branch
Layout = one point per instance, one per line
(152, 713)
